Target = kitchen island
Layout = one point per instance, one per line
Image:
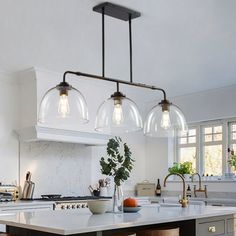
(192, 221)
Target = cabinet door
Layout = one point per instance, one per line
(212, 228)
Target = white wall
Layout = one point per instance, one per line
(57, 168)
(9, 118)
(207, 105)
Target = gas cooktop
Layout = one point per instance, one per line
(58, 197)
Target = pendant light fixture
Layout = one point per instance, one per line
(118, 114)
(165, 120)
(63, 104)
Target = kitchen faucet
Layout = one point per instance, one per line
(200, 189)
(184, 200)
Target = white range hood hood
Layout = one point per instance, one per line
(33, 85)
(38, 133)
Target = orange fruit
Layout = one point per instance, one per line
(130, 202)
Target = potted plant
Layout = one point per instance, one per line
(185, 168)
(119, 165)
(175, 168)
(232, 161)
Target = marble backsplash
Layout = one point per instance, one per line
(57, 168)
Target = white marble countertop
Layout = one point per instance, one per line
(75, 222)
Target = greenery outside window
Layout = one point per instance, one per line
(232, 137)
(212, 149)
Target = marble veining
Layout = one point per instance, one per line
(62, 168)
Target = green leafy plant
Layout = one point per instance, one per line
(232, 161)
(175, 168)
(182, 168)
(118, 165)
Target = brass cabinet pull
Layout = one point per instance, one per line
(212, 229)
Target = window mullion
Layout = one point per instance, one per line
(199, 151)
(225, 145)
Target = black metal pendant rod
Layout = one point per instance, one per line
(117, 81)
(103, 42)
(117, 87)
(130, 50)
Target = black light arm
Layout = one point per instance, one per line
(114, 81)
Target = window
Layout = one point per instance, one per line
(232, 139)
(206, 146)
(232, 136)
(212, 146)
(187, 147)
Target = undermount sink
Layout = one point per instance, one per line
(179, 205)
(170, 205)
(173, 202)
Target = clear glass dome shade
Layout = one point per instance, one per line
(167, 123)
(68, 108)
(116, 116)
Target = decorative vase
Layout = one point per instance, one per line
(118, 199)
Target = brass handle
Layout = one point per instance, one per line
(212, 229)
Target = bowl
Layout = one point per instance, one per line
(98, 206)
(132, 209)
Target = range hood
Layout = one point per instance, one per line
(39, 133)
(33, 83)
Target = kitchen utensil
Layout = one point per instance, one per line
(90, 189)
(28, 189)
(101, 183)
(96, 192)
(96, 186)
(107, 182)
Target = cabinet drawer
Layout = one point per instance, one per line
(231, 225)
(212, 228)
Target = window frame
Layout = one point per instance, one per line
(179, 145)
(230, 141)
(226, 143)
(211, 143)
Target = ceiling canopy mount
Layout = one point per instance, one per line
(116, 11)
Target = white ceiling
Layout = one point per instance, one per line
(184, 46)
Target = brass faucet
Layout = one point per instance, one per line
(200, 189)
(184, 200)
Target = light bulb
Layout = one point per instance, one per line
(165, 120)
(117, 116)
(63, 106)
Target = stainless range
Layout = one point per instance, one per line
(69, 203)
